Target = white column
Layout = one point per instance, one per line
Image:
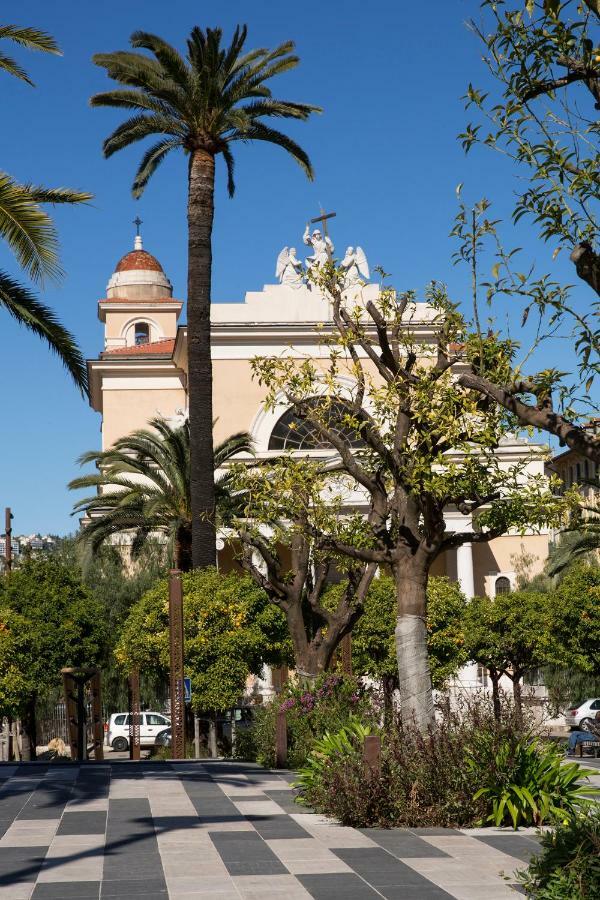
(464, 569)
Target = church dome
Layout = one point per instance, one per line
(138, 259)
(139, 277)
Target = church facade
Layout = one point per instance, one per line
(142, 371)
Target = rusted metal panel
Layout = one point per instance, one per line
(176, 648)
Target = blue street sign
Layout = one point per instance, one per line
(187, 689)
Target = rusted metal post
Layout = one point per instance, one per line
(347, 654)
(281, 740)
(8, 540)
(133, 684)
(176, 647)
(97, 717)
(372, 755)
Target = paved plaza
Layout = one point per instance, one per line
(225, 830)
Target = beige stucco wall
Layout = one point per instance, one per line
(236, 397)
(127, 410)
(500, 555)
(165, 322)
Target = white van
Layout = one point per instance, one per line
(151, 724)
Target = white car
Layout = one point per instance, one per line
(151, 724)
(583, 714)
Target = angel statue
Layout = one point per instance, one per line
(289, 268)
(355, 267)
(322, 248)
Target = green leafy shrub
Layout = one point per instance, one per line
(335, 746)
(568, 867)
(245, 744)
(425, 779)
(526, 783)
(310, 712)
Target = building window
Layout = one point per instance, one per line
(292, 432)
(502, 585)
(142, 333)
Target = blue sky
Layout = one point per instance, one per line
(385, 152)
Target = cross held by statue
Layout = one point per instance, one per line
(323, 218)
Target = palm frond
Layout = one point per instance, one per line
(230, 164)
(30, 38)
(55, 196)
(33, 314)
(150, 163)
(136, 129)
(169, 58)
(261, 132)
(28, 230)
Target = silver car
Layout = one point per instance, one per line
(583, 714)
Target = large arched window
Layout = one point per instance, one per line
(292, 432)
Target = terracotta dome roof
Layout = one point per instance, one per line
(138, 259)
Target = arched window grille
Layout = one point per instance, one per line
(141, 333)
(292, 432)
(502, 585)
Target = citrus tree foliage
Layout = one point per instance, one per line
(290, 504)
(231, 630)
(60, 623)
(16, 683)
(52, 622)
(373, 643)
(541, 112)
(512, 634)
(429, 443)
(578, 626)
(117, 583)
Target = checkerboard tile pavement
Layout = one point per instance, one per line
(228, 831)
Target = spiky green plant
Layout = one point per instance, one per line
(202, 103)
(529, 784)
(143, 487)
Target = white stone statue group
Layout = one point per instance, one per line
(291, 272)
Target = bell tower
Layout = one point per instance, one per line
(139, 308)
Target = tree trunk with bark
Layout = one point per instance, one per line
(200, 221)
(414, 676)
(518, 696)
(29, 731)
(495, 676)
(312, 656)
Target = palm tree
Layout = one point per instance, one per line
(143, 487)
(30, 233)
(574, 544)
(201, 103)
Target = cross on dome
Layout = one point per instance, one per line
(137, 244)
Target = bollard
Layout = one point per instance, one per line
(372, 755)
(281, 740)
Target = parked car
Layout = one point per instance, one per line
(151, 724)
(163, 738)
(582, 714)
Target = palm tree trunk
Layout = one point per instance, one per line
(201, 184)
(416, 698)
